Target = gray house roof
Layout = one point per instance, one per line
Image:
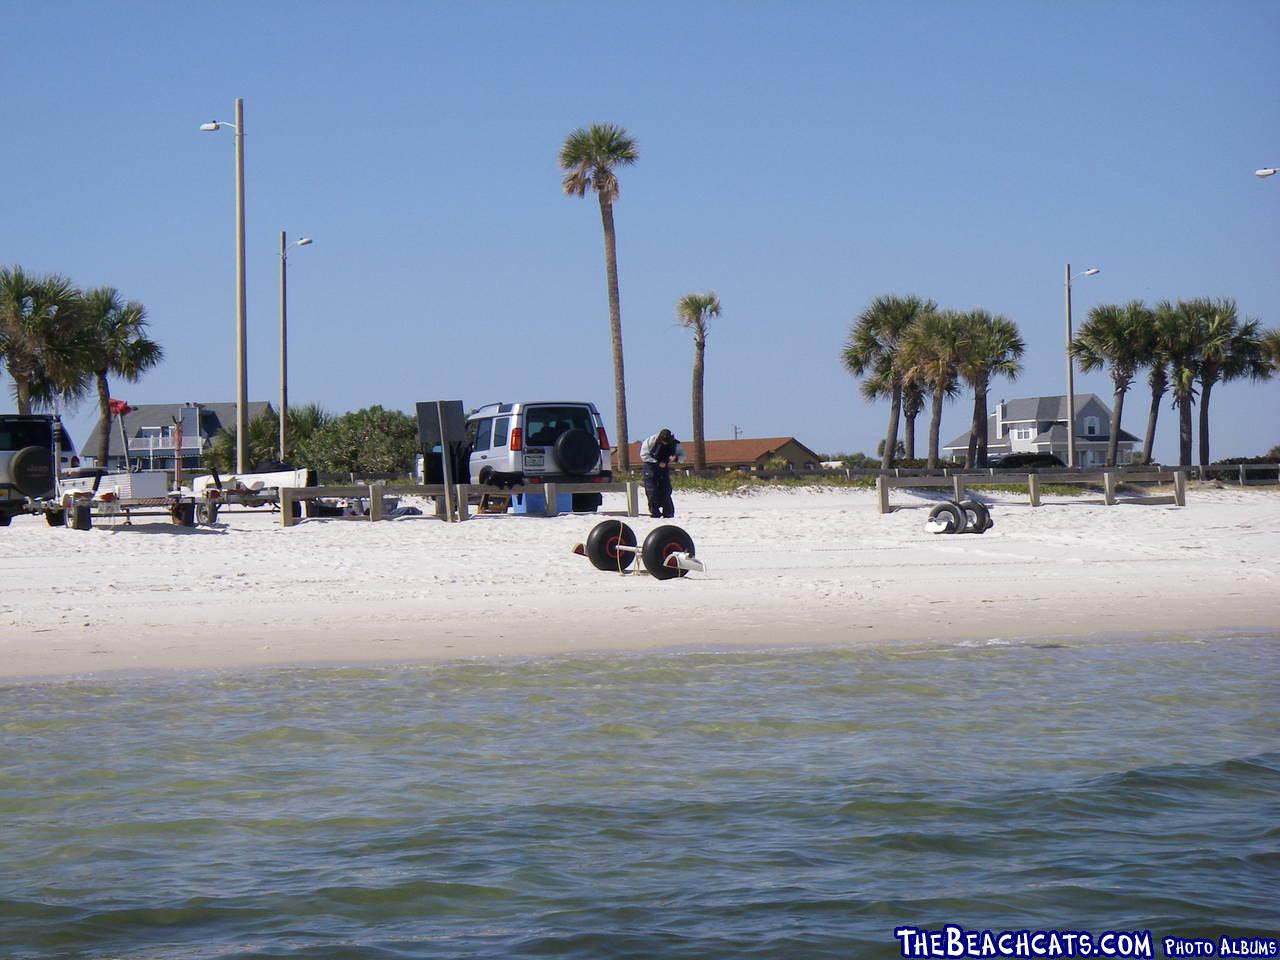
(1041, 410)
(213, 417)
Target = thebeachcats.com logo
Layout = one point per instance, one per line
(951, 941)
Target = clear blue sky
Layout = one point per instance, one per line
(797, 158)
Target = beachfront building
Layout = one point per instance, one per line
(147, 437)
(757, 453)
(1039, 425)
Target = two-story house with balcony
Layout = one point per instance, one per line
(146, 437)
(1039, 425)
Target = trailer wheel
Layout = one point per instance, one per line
(183, 514)
(5, 518)
(208, 513)
(977, 516)
(946, 517)
(81, 516)
(661, 543)
(56, 518)
(602, 546)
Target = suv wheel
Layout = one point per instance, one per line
(5, 518)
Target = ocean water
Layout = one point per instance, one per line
(785, 804)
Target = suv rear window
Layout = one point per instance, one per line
(14, 435)
(544, 425)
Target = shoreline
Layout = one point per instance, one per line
(785, 570)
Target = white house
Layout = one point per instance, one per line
(1039, 425)
(151, 432)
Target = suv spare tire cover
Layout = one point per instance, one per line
(577, 451)
(31, 470)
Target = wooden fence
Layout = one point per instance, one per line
(1108, 479)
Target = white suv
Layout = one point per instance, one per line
(547, 441)
(26, 462)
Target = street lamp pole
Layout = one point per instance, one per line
(242, 370)
(1071, 370)
(284, 338)
(242, 374)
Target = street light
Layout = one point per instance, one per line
(1266, 172)
(1071, 371)
(284, 348)
(242, 373)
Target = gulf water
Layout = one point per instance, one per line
(787, 804)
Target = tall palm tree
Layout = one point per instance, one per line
(1229, 350)
(994, 348)
(693, 311)
(118, 345)
(40, 337)
(589, 156)
(872, 351)
(1183, 342)
(1112, 337)
(932, 350)
(1161, 322)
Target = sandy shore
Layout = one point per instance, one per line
(784, 567)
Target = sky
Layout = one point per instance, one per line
(797, 158)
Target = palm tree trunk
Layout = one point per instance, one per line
(1184, 429)
(1113, 445)
(978, 428)
(910, 410)
(699, 436)
(1157, 394)
(1205, 387)
(615, 331)
(891, 435)
(104, 425)
(22, 392)
(935, 426)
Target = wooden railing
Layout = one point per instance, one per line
(1109, 480)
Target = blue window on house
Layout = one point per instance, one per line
(1091, 426)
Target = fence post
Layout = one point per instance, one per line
(375, 501)
(1033, 489)
(549, 508)
(633, 499)
(1109, 488)
(286, 506)
(1180, 488)
(1242, 474)
(882, 492)
(461, 501)
(957, 485)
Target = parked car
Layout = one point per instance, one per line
(1026, 461)
(26, 462)
(539, 441)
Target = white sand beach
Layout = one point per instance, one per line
(785, 567)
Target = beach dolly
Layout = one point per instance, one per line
(667, 551)
(965, 516)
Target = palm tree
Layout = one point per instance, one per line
(1229, 350)
(1154, 339)
(932, 350)
(117, 345)
(994, 348)
(589, 157)
(872, 351)
(1183, 342)
(40, 337)
(912, 404)
(1112, 337)
(1271, 348)
(693, 311)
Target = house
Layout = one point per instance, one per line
(150, 431)
(1039, 425)
(746, 454)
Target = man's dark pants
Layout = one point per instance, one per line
(657, 488)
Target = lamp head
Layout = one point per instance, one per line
(304, 241)
(1265, 172)
(209, 127)
(1092, 271)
